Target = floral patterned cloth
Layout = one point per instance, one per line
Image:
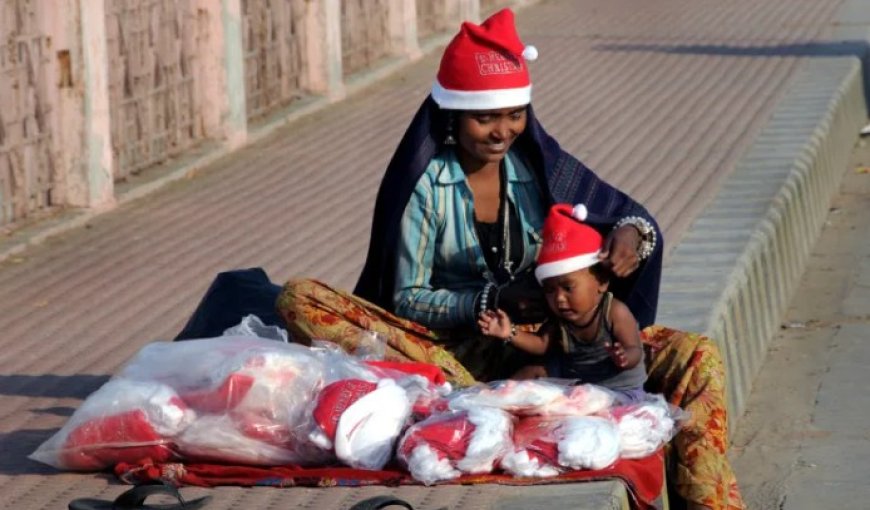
(686, 367)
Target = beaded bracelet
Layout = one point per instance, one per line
(483, 300)
(648, 237)
(513, 335)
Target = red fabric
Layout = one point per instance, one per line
(104, 442)
(449, 437)
(335, 398)
(225, 397)
(566, 236)
(485, 57)
(643, 477)
(431, 372)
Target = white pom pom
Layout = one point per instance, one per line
(530, 53)
(580, 212)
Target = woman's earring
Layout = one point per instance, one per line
(449, 140)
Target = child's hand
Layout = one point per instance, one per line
(495, 323)
(617, 353)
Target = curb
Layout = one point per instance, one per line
(733, 274)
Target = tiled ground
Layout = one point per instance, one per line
(660, 97)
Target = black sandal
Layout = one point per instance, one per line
(383, 501)
(135, 499)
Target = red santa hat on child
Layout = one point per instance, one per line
(483, 67)
(569, 244)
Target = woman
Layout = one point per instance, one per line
(455, 233)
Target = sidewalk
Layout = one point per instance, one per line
(804, 442)
(667, 100)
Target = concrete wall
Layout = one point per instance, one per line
(79, 72)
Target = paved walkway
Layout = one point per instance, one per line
(804, 442)
(661, 97)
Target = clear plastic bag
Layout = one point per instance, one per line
(253, 326)
(444, 446)
(535, 451)
(123, 421)
(180, 398)
(588, 442)
(646, 426)
(539, 397)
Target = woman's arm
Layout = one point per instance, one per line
(626, 351)
(414, 296)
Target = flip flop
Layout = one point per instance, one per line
(135, 499)
(384, 501)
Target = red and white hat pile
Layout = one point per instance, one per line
(483, 67)
(569, 244)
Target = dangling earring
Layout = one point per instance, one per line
(449, 140)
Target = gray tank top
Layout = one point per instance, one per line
(589, 362)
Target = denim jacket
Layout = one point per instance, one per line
(441, 267)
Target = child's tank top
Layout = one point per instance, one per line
(589, 362)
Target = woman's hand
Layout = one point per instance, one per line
(620, 251)
(495, 323)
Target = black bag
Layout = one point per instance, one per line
(231, 296)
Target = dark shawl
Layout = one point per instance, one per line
(567, 181)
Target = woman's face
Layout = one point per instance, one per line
(485, 136)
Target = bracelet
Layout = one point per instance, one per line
(483, 300)
(648, 236)
(513, 335)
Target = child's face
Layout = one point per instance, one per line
(574, 296)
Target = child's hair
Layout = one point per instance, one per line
(601, 272)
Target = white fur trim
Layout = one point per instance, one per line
(565, 266)
(530, 53)
(580, 212)
(480, 99)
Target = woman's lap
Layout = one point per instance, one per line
(687, 368)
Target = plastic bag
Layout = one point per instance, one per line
(123, 421)
(253, 326)
(535, 451)
(588, 442)
(647, 426)
(360, 421)
(545, 446)
(443, 447)
(539, 397)
(231, 399)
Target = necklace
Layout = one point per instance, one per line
(505, 262)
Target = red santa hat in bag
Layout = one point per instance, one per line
(569, 244)
(443, 447)
(360, 420)
(483, 67)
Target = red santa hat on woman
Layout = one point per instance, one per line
(569, 244)
(483, 67)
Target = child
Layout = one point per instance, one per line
(593, 337)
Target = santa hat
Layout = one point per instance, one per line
(483, 67)
(569, 244)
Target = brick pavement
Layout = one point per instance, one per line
(662, 98)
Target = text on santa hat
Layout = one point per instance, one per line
(493, 62)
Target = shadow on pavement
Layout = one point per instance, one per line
(17, 445)
(49, 385)
(855, 48)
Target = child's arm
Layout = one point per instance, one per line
(497, 324)
(627, 350)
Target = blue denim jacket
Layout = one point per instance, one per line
(441, 268)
